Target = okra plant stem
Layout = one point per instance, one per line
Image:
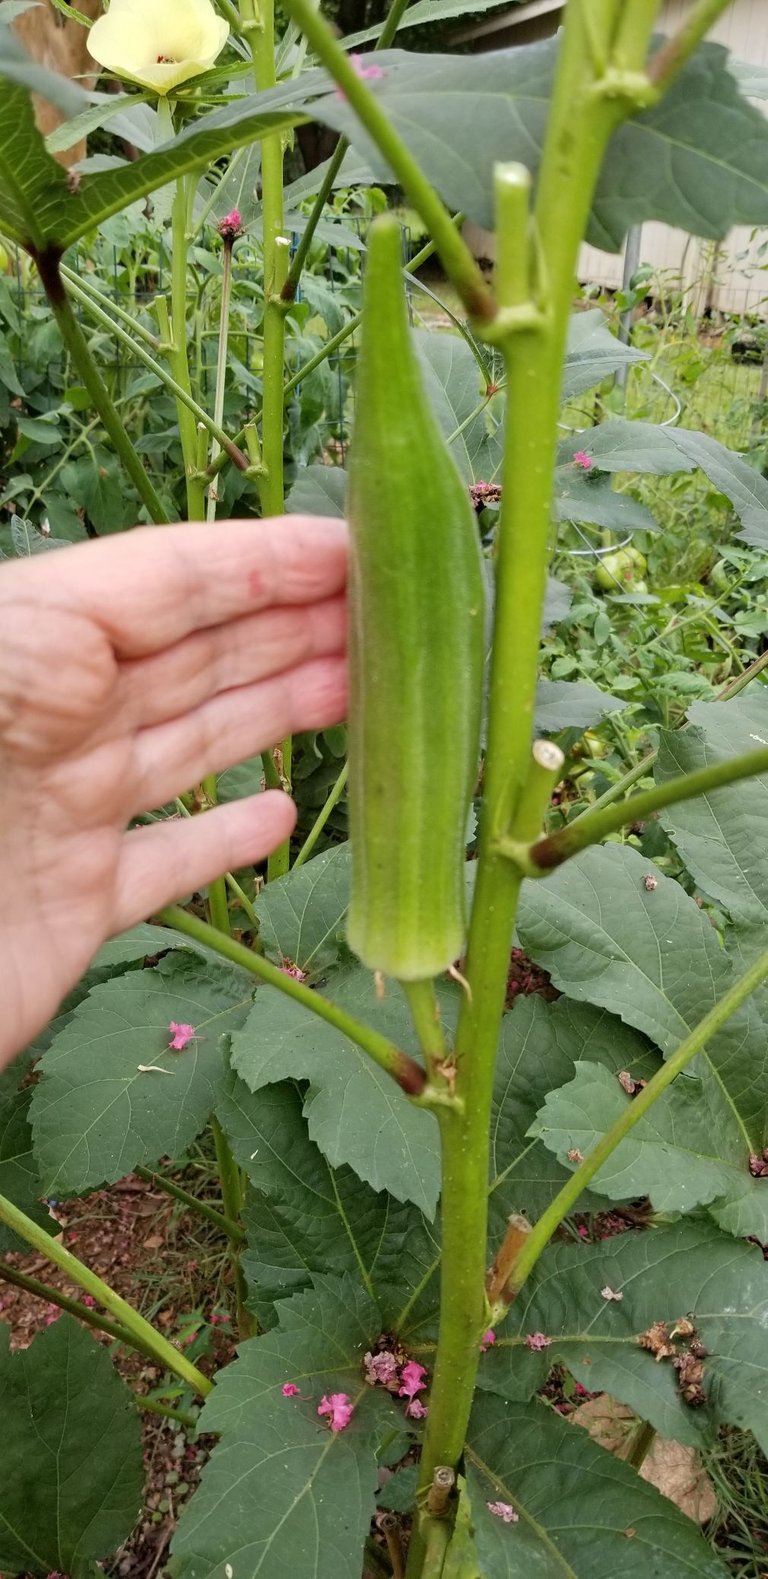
(580, 124)
(259, 28)
(78, 348)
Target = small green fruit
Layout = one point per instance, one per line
(620, 570)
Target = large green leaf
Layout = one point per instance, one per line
(302, 915)
(648, 955)
(19, 1180)
(582, 1514)
(468, 418)
(70, 1454)
(697, 160)
(722, 837)
(282, 1495)
(303, 1218)
(99, 1109)
(318, 490)
(425, 12)
(621, 446)
(688, 1151)
(652, 957)
(38, 205)
(582, 496)
(539, 1046)
(356, 1113)
(572, 704)
(593, 353)
(664, 1275)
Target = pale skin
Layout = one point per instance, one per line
(131, 668)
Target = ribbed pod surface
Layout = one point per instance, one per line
(416, 649)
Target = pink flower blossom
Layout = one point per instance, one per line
(415, 1410)
(412, 1379)
(487, 1341)
(582, 459)
(503, 1510)
(372, 73)
(231, 226)
(289, 1390)
(537, 1341)
(339, 1409)
(380, 1368)
(180, 1035)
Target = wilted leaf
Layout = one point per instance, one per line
(71, 1472)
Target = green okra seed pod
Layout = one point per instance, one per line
(417, 617)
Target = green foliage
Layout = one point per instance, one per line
(70, 1454)
(618, 953)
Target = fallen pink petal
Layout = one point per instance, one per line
(487, 1341)
(415, 1410)
(181, 1035)
(412, 1379)
(372, 73)
(380, 1369)
(339, 1409)
(537, 1341)
(289, 1390)
(582, 459)
(503, 1510)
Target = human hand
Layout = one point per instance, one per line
(131, 668)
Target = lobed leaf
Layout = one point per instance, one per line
(282, 1494)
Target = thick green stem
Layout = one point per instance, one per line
(580, 125)
(73, 1307)
(457, 259)
(142, 1335)
(259, 27)
(404, 1069)
(221, 362)
(77, 345)
(320, 822)
(595, 825)
(566, 1198)
(226, 1225)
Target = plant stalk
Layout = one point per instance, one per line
(77, 345)
(322, 818)
(226, 1225)
(73, 1307)
(580, 125)
(221, 363)
(668, 62)
(593, 826)
(143, 1335)
(178, 354)
(232, 1197)
(457, 259)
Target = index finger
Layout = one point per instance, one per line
(150, 587)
